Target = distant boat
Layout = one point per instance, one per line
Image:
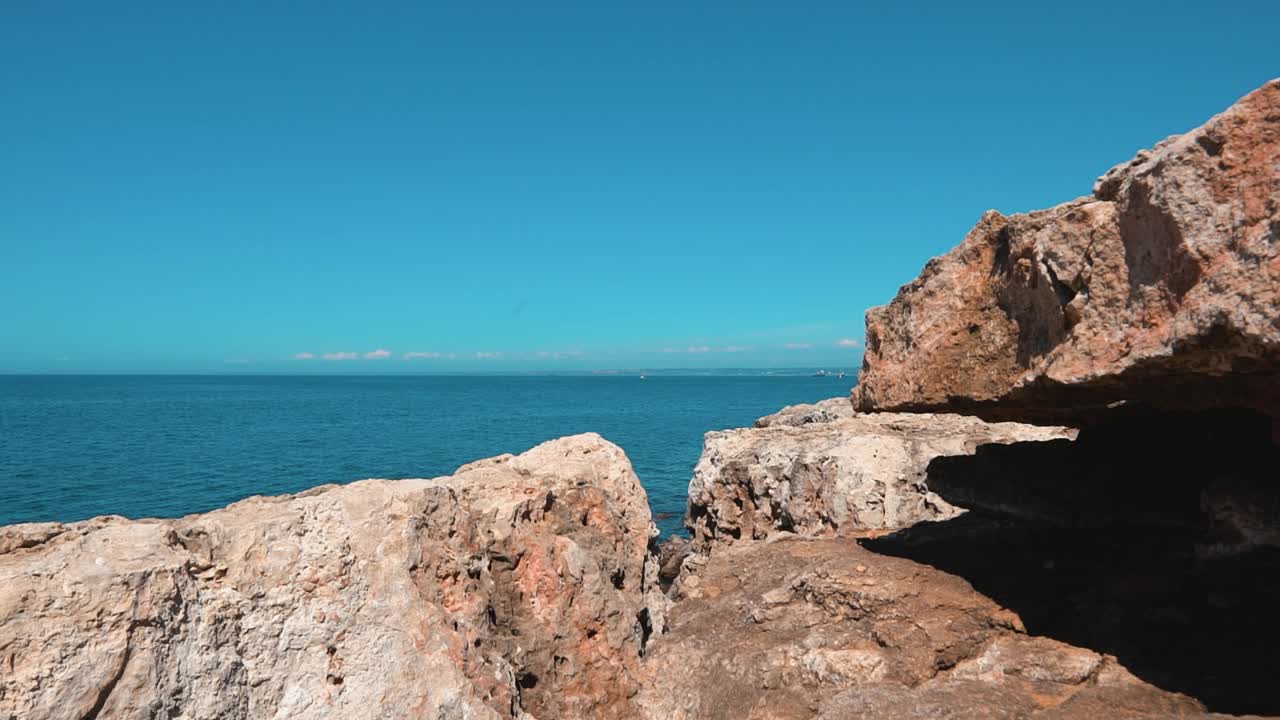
(820, 373)
(641, 377)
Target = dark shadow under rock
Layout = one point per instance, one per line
(1151, 538)
(1215, 474)
(671, 553)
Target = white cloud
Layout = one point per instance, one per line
(738, 348)
(668, 350)
(378, 354)
(340, 356)
(557, 354)
(423, 355)
(487, 355)
(798, 346)
(699, 348)
(846, 342)
(305, 356)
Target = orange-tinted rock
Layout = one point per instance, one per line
(1163, 288)
(520, 586)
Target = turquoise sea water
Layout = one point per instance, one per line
(165, 446)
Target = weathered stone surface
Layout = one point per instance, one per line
(521, 584)
(821, 628)
(846, 475)
(670, 558)
(805, 414)
(1162, 288)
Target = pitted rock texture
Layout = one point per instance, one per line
(844, 476)
(1163, 288)
(805, 414)
(521, 586)
(820, 628)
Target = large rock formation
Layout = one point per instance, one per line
(1149, 314)
(1162, 288)
(1144, 554)
(815, 470)
(822, 628)
(519, 585)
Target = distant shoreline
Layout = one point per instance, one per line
(832, 373)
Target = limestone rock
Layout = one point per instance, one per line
(521, 584)
(846, 475)
(804, 414)
(1163, 288)
(821, 628)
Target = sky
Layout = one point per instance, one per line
(445, 187)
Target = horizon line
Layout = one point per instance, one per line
(830, 370)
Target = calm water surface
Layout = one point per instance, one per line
(165, 446)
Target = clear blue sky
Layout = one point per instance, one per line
(220, 187)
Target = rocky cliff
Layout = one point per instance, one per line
(518, 587)
(1132, 572)
(1162, 288)
(1149, 315)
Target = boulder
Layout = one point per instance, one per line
(847, 475)
(801, 628)
(520, 586)
(1161, 289)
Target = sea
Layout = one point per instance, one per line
(74, 447)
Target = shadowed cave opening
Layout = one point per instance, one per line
(1153, 537)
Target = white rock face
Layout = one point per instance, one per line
(521, 584)
(845, 475)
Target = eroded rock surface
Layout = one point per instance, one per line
(844, 475)
(1161, 288)
(821, 628)
(521, 584)
(808, 413)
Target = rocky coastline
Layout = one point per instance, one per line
(1054, 493)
